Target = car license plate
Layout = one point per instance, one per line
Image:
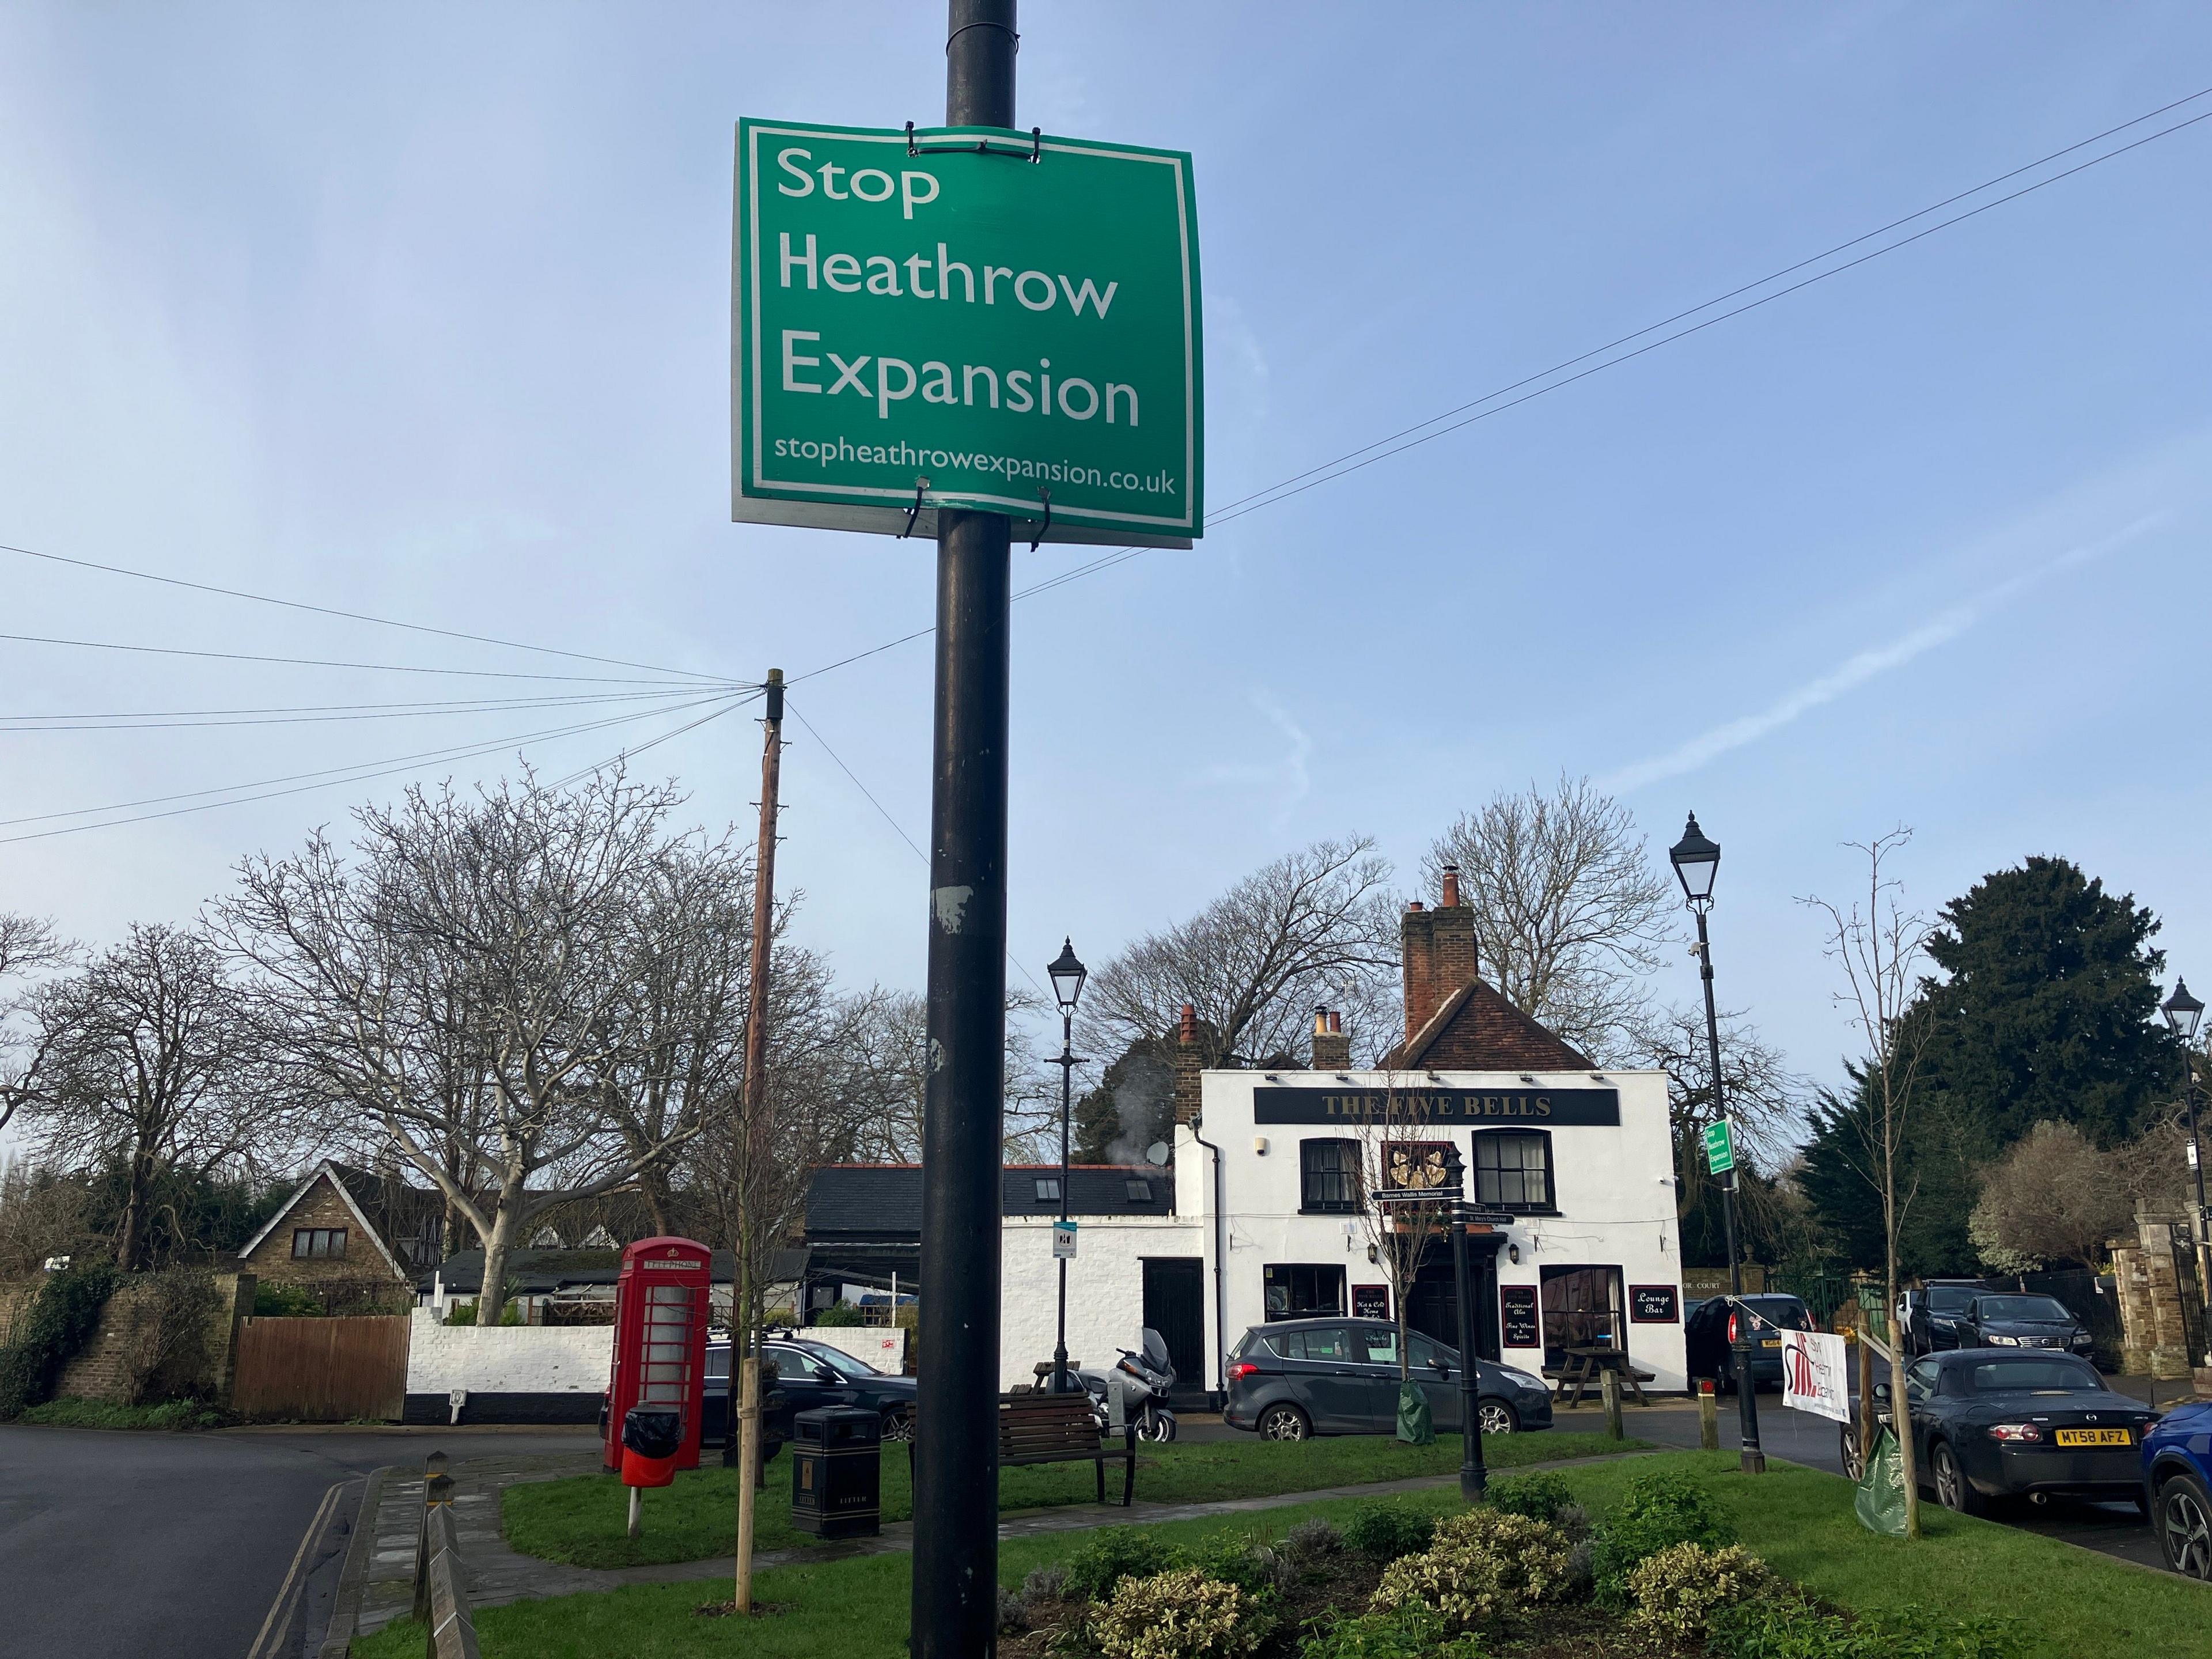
(2095, 1437)
(1771, 1342)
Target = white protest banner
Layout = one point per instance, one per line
(1815, 1374)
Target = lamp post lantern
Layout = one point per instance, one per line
(1068, 976)
(1697, 860)
(2181, 1011)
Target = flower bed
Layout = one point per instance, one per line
(1531, 1574)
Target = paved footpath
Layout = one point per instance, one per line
(383, 1590)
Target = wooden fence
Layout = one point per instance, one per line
(322, 1370)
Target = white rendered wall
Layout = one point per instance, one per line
(1612, 1184)
(507, 1359)
(878, 1346)
(1105, 1289)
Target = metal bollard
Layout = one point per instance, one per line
(1709, 1415)
(1609, 1389)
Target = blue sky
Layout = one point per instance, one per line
(423, 311)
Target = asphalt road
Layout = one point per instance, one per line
(117, 1546)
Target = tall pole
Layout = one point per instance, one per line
(1473, 1478)
(752, 1135)
(2196, 1169)
(1753, 1459)
(956, 1554)
(1067, 1071)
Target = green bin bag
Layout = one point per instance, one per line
(1416, 1427)
(1881, 1501)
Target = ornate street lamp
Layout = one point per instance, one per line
(2181, 1011)
(1068, 976)
(1696, 862)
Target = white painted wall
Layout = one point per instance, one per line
(1105, 1289)
(882, 1346)
(1613, 1186)
(507, 1359)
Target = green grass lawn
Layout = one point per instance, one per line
(2068, 1602)
(583, 1520)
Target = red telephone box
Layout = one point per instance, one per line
(661, 1302)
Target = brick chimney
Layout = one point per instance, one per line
(1187, 1067)
(1332, 1049)
(1438, 951)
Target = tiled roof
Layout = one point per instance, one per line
(884, 1200)
(1476, 1029)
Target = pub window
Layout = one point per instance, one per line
(318, 1241)
(1513, 1170)
(1295, 1291)
(1328, 1178)
(1048, 1192)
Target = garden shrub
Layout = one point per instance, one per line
(1791, 1626)
(841, 1314)
(1311, 1539)
(1258, 1569)
(1383, 1532)
(1483, 1567)
(292, 1302)
(1182, 1614)
(62, 1319)
(1116, 1553)
(1657, 1513)
(1045, 1584)
(1676, 1593)
(1412, 1631)
(1540, 1496)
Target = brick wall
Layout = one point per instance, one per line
(2150, 1293)
(15, 1304)
(360, 1274)
(101, 1368)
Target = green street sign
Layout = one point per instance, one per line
(1720, 1148)
(966, 317)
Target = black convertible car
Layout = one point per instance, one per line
(1991, 1423)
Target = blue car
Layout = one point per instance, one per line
(2177, 1465)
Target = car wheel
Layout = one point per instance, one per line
(898, 1423)
(1854, 1461)
(2185, 1526)
(1284, 1423)
(1953, 1490)
(1497, 1417)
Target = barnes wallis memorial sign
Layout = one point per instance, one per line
(1440, 1108)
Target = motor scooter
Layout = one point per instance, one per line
(1143, 1379)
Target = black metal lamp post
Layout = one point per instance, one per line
(2181, 1011)
(1067, 977)
(1474, 1477)
(1696, 862)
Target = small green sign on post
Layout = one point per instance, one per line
(1720, 1148)
(970, 318)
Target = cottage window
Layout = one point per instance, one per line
(1140, 1192)
(318, 1242)
(1328, 1178)
(1513, 1170)
(1048, 1191)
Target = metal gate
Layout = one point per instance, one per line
(322, 1370)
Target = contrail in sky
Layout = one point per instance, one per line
(1856, 671)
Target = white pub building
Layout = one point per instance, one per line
(1263, 1219)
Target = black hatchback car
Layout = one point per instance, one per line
(1334, 1376)
(1991, 1423)
(1711, 1328)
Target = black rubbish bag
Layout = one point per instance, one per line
(653, 1430)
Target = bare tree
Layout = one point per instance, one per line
(27, 945)
(143, 1061)
(1315, 926)
(1396, 1151)
(1878, 945)
(466, 985)
(1570, 909)
(882, 1060)
(1764, 1099)
(2054, 1196)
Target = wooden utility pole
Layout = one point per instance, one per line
(752, 1137)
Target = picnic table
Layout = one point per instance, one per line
(1586, 1364)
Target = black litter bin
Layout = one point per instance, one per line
(836, 1473)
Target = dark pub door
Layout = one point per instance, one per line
(1175, 1306)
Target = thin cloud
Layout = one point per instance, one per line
(1865, 665)
(1290, 775)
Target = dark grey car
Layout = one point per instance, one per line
(2000, 1320)
(1298, 1377)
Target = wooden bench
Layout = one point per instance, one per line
(1585, 1365)
(1058, 1428)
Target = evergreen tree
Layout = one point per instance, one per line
(2049, 1009)
(1132, 1107)
(1936, 1186)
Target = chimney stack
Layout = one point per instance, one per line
(1332, 1049)
(1439, 950)
(1187, 1066)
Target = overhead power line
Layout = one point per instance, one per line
(348, 615)
(185, 720)
(376, 667)
(1537, 385)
